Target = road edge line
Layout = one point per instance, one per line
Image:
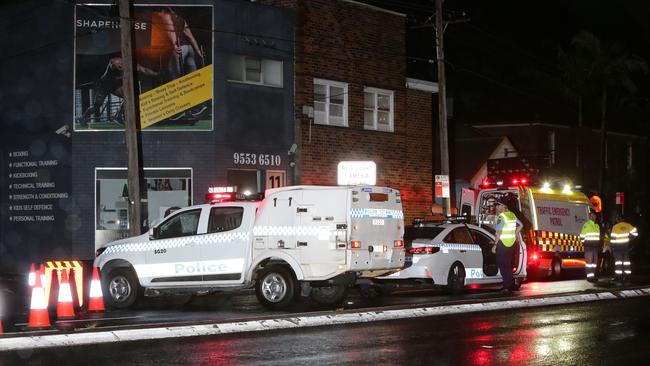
(128, 335)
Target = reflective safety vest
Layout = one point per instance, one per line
(590, 232)
(508, 233)
(622, 232)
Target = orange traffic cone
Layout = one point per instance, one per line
(38, 315)
(64, 308)
(31, 279)
(96, 300)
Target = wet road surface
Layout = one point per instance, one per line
(604, 332)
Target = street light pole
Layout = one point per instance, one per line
(442, 102)
(131, 121)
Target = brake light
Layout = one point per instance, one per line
(399, 244)
(220, 197)
(424, 250)
(355, 244)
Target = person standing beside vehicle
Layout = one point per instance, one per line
(590, 236)
(620, 237)
(507, 228)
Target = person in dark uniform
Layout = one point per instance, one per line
(507, 227)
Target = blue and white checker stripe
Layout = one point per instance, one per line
(376, 212)
(177, 242)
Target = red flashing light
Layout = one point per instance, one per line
(424, 250)
(220, 197)
(524, 181)
(399, 243)
(534, 257)
(515, 181)
(355, 244)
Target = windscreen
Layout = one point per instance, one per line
(421, 232)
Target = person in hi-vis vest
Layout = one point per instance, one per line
(620, 238)
(507, 228)
(590, 236)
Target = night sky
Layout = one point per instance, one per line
(498, 62)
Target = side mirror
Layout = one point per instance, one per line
(154, 233)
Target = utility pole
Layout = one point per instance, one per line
(131, 120)
(442, 102)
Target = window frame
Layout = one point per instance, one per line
(329, 84)
(262, 82)
(223, 208)
(174, 216)
(375, 123)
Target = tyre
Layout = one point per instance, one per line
(456, 279)
(121, 288)
(275, 287)
(556, 269)
(329, 295)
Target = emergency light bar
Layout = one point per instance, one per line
(504, 182)
(220, 197)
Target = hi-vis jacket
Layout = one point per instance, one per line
(590, 232)
(507, 221)
(622, 233)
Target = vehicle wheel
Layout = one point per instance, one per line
(456, 279)
(121, 288)
(329, 295)
(556, 269)
(275, 287)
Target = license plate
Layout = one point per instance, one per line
(378, 222)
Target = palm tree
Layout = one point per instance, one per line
(605, 68)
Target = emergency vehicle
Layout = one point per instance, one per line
(309, 240)
(552, 217)
(452, 254)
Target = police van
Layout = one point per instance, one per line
(310, 240)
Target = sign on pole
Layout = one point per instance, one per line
(620, 198)
(442, 186)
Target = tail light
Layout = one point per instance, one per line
(534, 257)
(424, 250)
(399, 244)
(355, 244)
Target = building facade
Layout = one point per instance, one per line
(215, 83)
(353, 101)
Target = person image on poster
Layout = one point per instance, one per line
(110, 83)
(185, 52)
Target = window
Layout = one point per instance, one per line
(421, 232)
(330, 103)
(183, 224)
(378, 109)
(167, 191)
(255, 70)
(481, 239)
(459, 236)
(225, 219)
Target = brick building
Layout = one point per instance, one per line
(350, 66)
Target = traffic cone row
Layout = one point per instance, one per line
(65, 309)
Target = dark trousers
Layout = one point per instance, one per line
(621, 254)
(591, 260)
(504, 261)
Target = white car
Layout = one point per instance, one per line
(452, 255)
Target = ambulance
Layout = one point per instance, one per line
(309, 240)
(552, 217)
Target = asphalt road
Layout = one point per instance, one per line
(604, 332)
(244, 306)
